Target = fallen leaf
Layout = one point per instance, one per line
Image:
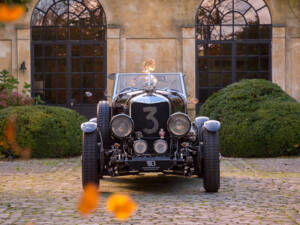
(121, 206)
(89, 200)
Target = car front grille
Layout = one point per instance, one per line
(150, 118)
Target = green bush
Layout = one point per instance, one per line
(258, 119)
(47, 131)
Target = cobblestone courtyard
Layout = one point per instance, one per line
(253, 191)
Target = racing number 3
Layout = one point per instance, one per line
(150, 116)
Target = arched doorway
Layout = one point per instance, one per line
(233, 42)
(68, 53)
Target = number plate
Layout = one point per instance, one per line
(151, 163)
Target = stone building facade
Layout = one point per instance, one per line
(164, 30)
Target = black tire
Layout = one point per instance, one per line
(90, 159)
(103, 122)
(211, 161)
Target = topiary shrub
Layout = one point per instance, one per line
(258, 119)
(47, 131)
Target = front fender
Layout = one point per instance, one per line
(212, 125)
(88, 127)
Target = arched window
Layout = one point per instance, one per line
(233, 42)
(68, 53)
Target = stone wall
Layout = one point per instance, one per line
(163, 30)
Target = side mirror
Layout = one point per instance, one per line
(112, 76)
(193, 101)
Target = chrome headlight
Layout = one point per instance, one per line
(140, 146)
(179, 124)
(121, 125)
(160, 146)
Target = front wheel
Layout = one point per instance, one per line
(90, 159)
(211, 161)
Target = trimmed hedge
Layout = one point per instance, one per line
(49, 131)
(258, 119)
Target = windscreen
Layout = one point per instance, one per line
(128, 82)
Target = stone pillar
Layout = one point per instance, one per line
(113, 55)
(188, 64)
(23, 55)
(278, 57)
(293, 64)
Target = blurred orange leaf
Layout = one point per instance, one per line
(10, 13)
(121, 205)
(90, 199)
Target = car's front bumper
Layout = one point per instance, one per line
(150, 164)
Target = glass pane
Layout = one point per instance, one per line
(215, 17)
(75, 65)
(100, 17)
(100, 81)
(202, 16)
(241, 6)
(50, 96)
(37, 33)
(62, 33)
(253, 49)
(100, 33)
(38, 65)
(38, 81)
(214, 80)
(50, 81)
(241, 64)
(38, 50)
(75, 50)
(62, 19)
(253, 64)
(251, 17)
(50, 51)
(264, 64)
(87, 33)
(62, 65)
(239, 19)
(99, 65)
(88, 81)
(99, 50)
(50, 65)
(226, 49)
(74, 33)
(226, 32)
(62, 97)
(226, 65)
(37, 18)
(228, 19)
(203, 80)
(240, 32)
(226, 79)
(75, 80)
(215, 33)
(202, 64)
(61, 50)
(76, 96)
(264, 49)
(264, 16)
(87, 50)
(88, 65)
(50, 33)
(241, 49)
(265, 32)
(225, 6)
(214, 65)
(253, 32)
(214, 49)
(200, 50)
(257, 3)
(50, 19)
(61, 81)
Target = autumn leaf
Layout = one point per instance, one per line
(90, 199)
(10, 13)
(121, 206)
